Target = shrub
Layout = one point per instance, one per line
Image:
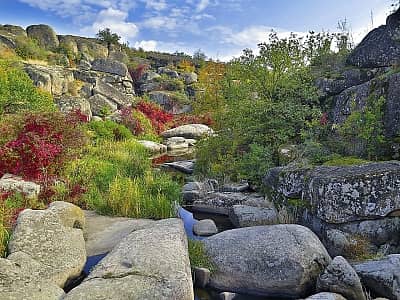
(170, 84)
(158, 117)
(205, 119)
(109, 130)
(17, 92)
(42, 145)
(28, 48)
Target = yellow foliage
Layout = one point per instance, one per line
(186, 66)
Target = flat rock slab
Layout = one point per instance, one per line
(103, 233)
(272, 261)
(189, 131)
(247, 216)
(184, 166)
(222, 203)
(150, 263)
(12, 183)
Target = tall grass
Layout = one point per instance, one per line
(119, 181)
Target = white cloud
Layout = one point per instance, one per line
(160, 22)
(116, 20)
(150, 45)
(202, 5)
(155, 4)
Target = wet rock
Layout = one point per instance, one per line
(270, 261)
(190, 131)
(68, 104)
(381, 276)
(153, 146)
(111, 66)
(60, 249)
(20, 279)
(151, 263)
(44, 34)
(339, 277)
(103, 233)
(99, 104)
(248, 216)
(184, 166)
(12, 183)
(205, 227)
(326, 296)
(201, 277)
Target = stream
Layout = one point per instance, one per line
(189, 218)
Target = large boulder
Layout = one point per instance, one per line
(339, 277)
(381, 47)
(189, 78)
(381, 276)
(103, 233)
(16, 184)
(270, 261)
(111, 93)
(205, 227)
(12, 30)
(151, 263)
(21, 279)
(44, 34)
(53, 79)
(168, 72)
(111, 66)
(354, 193)
(60, 249)
(189, 131)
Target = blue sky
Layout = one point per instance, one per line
(220, 28)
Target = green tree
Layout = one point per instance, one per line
(108, 37)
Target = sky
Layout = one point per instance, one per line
(220, 28)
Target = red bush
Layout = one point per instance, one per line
(138, 72)
(158, 117)
(43, 144)
(129, 121)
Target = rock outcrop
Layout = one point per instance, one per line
(381, 47)
(44, 34)
(151, 263)
(270, 261)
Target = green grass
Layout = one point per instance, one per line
(120, 181)
(345, 161)
(198, 257)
